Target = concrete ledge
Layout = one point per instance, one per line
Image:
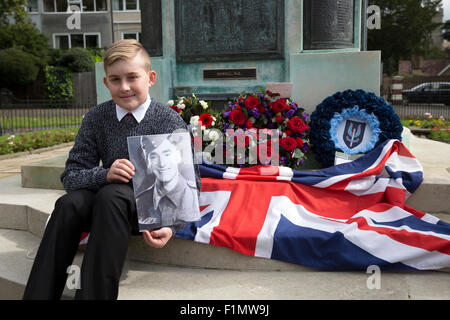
(180, 252)
(44, 174)
(35, 151)
(17, 252)
(431, 197)
(160, 282)
(13, 217)
(25, 208)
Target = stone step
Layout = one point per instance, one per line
(44, 174)
(144, 281)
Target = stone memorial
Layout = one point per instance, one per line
(218, 49)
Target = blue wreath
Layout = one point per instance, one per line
(321, 141)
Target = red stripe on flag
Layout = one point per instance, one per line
(245, 214)
(417, 213)
(256, 178)
(416, 239)
(260, 170)
(401, 150)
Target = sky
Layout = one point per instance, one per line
(446, 5)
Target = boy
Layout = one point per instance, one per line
(100, 199)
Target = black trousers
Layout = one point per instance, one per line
(110, 216)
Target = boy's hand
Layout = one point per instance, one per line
(157, 238)
(122, 170)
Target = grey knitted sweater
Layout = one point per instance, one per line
(102, 137)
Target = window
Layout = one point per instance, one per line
(55, 6)
(61, 5)
(91, 41)
(125, 5)
(81, 40)
(88, 5)
(61, 42)
(49, 6)
(131, 35)
(32, 6)
(100, 5)
(84, 5)
(76, 40)
(94, 5)
(131, 5)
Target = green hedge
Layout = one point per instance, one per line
(77, 60)
(17, 67)
(58, 83)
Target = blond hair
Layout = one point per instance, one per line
(126, 49)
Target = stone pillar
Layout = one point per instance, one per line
(397, 88)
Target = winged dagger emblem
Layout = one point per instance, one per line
(354, 133)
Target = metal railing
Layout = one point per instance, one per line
(39, 115)
(420, 110)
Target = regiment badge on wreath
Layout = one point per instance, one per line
(351, 123)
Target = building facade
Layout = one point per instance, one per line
(86, 23)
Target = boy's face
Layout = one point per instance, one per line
(128, 82)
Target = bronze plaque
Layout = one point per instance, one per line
(229, 74)
(232, 30)
(328, 24)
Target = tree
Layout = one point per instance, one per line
(18, 31)
(17, 67)
(406, 27)
(77, 60)
(12, 9)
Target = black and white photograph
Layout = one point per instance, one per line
(164, 183)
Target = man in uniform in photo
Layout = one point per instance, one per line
(171, 200)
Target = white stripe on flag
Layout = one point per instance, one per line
(217, 201)
(360, 187)
(231, 173)
(330, 181)
(378, 245)
(285, 173)
(371, 216)
(402, 163)
(430, 219)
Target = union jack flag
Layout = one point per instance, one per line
(346, 217)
